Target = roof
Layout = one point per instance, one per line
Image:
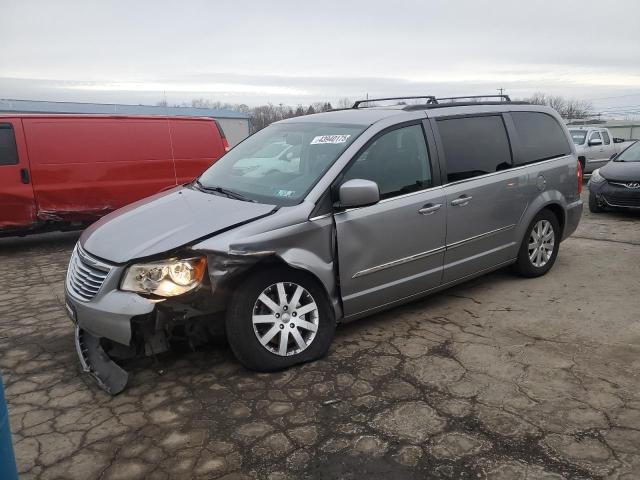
(353, 116)
(370, 115)
(36, 106)
(98, 116)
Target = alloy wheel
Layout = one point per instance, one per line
(541, 243)
(285, 318)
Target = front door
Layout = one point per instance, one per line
(485, 199)
(595, 154)
(393, 249)
(607, 143)
(17, 205)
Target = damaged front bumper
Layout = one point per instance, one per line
(108, 316)
(112, 324)
(94, 360)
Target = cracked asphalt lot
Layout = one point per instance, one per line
(501, 377)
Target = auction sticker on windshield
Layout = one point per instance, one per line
(330, 139)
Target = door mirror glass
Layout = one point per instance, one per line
(595, 141)
(359, 193)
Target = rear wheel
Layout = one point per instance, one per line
(540, 246)
(594, 206)
(278, 318)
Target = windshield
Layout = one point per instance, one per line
(286, 181)
(578, 136)
(631, 154)
(271, 150)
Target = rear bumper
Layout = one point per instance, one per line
(574, 214)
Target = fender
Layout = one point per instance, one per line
(547, 199)
(306, 246)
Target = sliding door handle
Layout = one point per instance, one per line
(461, 201)
(430, 208)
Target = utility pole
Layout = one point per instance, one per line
(501, 90)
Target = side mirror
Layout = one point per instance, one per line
(359, 193)
(595, 142)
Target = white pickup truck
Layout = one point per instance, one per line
(595, 146)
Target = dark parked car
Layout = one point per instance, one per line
(617, 184)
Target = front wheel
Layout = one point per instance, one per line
(540, 245)
(278, 318)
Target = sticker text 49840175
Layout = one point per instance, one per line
(321, 139)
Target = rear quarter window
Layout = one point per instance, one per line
(541, 137)
(196, 139)
(474, 146)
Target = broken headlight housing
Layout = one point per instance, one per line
(166, 278)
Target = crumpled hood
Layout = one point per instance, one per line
(164, 222)
(621, 171)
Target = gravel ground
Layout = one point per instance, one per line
(500, 377)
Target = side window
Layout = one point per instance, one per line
(605, 137)
(595, 136)
(541, 136)
(397, 161)
(8, 151)
(474, 146)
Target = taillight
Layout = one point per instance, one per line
(225, 144)
(579, 177)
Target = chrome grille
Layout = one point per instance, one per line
(85, 274)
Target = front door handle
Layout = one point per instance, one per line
(461, 201)
(24, 176)
(430, 208)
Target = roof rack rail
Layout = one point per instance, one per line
(504, 98)
(429, 98)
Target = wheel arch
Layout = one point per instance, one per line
(550, 200)
(321, 272)
(559, 212)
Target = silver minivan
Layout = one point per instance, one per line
(382, 205)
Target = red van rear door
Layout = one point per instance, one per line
(17, 205)
(84, 167)
(197, 143)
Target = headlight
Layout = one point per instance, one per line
(596, 177)
(166, 278)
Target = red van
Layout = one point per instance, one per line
(64, 171)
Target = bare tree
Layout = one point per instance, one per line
(263, 115)
(345, 102)
(566, 107)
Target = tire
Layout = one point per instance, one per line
(593, 204)
(524, 265)
(243, 333)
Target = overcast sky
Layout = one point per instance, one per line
(295, 52)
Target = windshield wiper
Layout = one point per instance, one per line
(224, 191)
